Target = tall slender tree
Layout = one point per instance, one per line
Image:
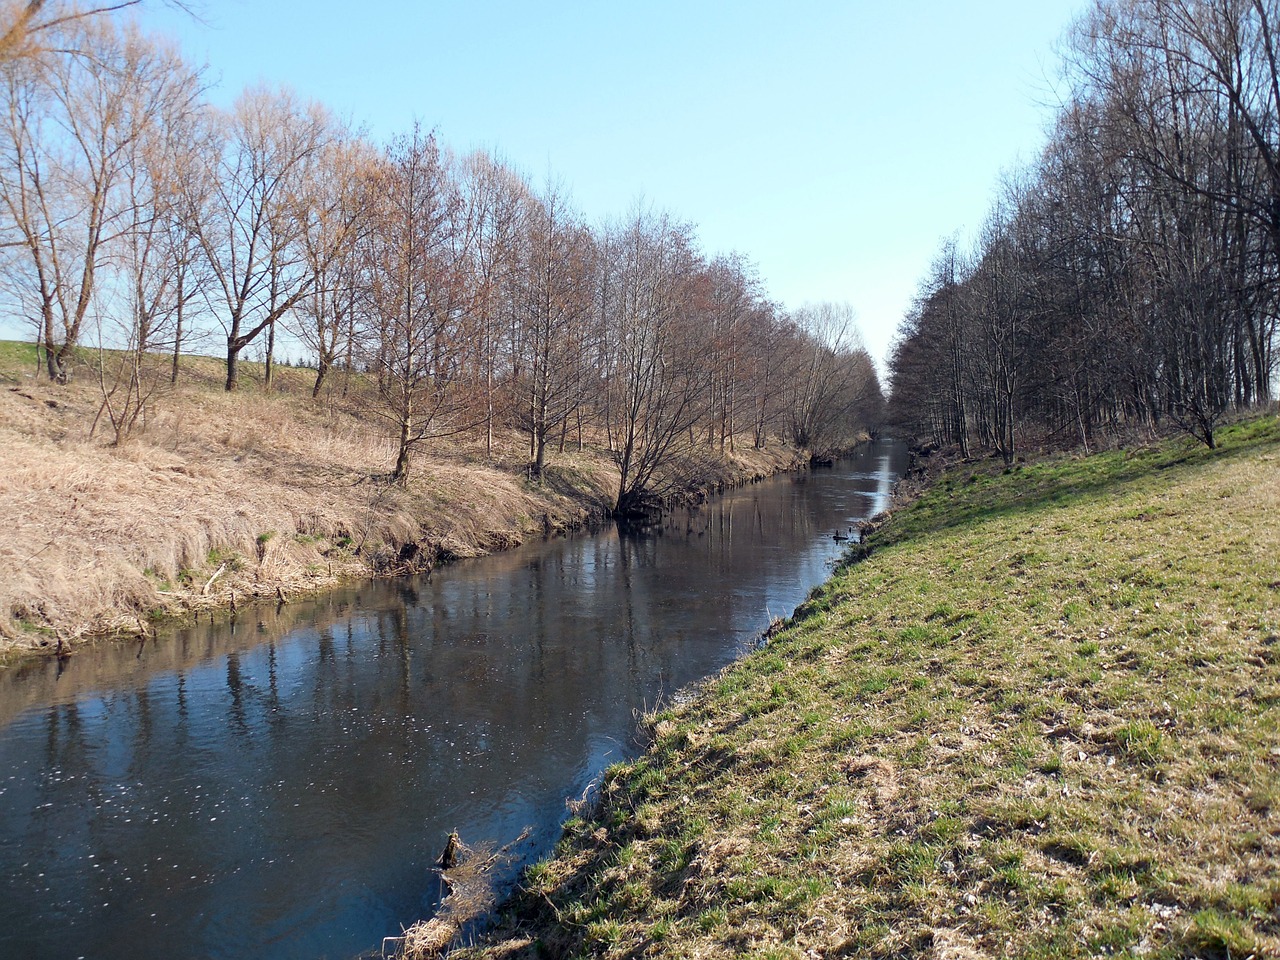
(419, 299)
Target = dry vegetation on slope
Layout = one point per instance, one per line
(276, 491)
(1040, 719)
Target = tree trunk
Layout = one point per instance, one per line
(269, 368)
(322, 370)
(177, 334)
(488, 385)
(233, 367)
(56, 373)
(52, 352)
(401, 472)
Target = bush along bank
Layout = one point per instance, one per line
(1038, 719)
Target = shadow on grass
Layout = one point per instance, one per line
(570, 485)
(990, 493)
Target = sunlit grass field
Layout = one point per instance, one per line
(1040, 718)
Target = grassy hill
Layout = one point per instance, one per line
(1040, 718)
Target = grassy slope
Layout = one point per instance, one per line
(274, 489)
(1040, 719)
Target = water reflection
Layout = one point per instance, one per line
(281, 789)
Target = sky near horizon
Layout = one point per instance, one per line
(834, 144)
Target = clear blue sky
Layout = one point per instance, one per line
(833, 143)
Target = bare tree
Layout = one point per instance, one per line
(498, 202)
(419, 299)
(831, 383)
(763, 370)
(71, 127)
(555, 284)
(31, 28)
(732, 294)
(252, 232)
(1132, 275)
(151, 275)
(336, 216)
(189, 167)
(651, 376)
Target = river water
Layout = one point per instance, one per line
(281, 787)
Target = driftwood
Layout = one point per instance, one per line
(452, 847)
(209, 583)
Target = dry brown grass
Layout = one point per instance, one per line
(472, 894)
(272, 492)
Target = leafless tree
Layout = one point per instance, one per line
(765, 334)
(419, 299)
(32, 28)
(554, 301)
(652, 375)
(831, 381)
(498, 202)
(337, 215)
(150, 277)
(1131, 277)
(253, 230)
(71, 126)
(732, 294)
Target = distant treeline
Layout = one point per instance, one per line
(1131, 276)
(135, 213)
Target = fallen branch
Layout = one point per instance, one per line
(216, 575)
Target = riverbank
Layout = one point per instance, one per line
(219, 500)
(1038, 719)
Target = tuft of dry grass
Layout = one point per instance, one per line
(472, 894)
(224, 498)
(1039, 718)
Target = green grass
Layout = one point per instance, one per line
(18, 360)
(16, 357)
(1039, 718)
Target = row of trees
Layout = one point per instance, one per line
(1132, 276)
(465, 298)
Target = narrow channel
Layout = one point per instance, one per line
(280, 787)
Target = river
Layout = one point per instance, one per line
(281, 786)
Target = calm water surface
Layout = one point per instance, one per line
(281, 787)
